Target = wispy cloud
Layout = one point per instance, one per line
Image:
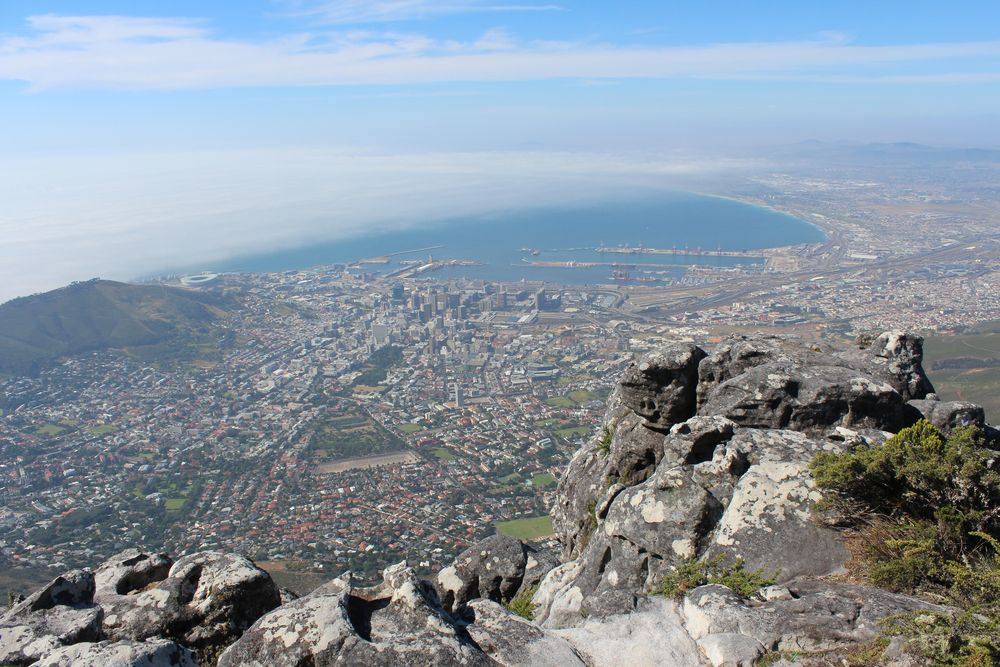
(149, 53)
(345, 12)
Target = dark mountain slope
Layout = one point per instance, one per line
(96, 315)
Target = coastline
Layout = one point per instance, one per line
(667, 219)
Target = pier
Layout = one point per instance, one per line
(696, 252)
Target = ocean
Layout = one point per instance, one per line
(504, 242)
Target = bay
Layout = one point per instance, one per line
(504, 242)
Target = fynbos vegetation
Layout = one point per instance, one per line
(927, 508)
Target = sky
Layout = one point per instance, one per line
(134, 132)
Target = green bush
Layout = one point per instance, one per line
(953, 483)
(604, 445)
(693, 573)
(928, 510)
(521, 603)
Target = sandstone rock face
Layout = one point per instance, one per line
(154, 653)
(202, 602)
(661, 387)
(650, 636)
(624, 449)
(947, 415)
(732, 479)
(816, 616)
(492, 569)
(131, 570)
(206, 600)
(399, 622)
(510, 640)
(63, 612)
(896, 357)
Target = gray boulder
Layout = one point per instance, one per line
(625, 450)
(816, 616)
(399, 622)
(206, 601)
(662, 386)
(512, 641)
(131, 570)
(895, 357)
(492, 568)
(152, 653)
(947, 415)
(735, 356)
(812, 398)
(650, 636)
(770, 521)
(60, 613)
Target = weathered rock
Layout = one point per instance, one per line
(62, 612)
(624, 451)
(513, 641)
(557, 600)
(806, 398)
(895, 357)
(729, 649)
(820, 616)
(662, 386)
(947, 415)
(207, 600)
(769, 521)
(398, 622)
(735, 356)
(132, 570)
(72, 589)
(696, 440)
(151, 653)
(22, 645)
(540, 562)
(652, 635)
(492, 568)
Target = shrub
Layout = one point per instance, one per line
(932, 515)
(521, 603)
(604, 445)
(953, 483)
(693, 573)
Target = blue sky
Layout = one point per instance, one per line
(486, 74)
(133, 131)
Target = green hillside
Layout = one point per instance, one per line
(967, 367)
(96, 315)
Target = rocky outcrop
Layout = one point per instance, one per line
(807, 616)
(731, 481)
(492, 569)
(398, 622)
(947, 415)
(661, 388)
(203, 602)
(61, 613)
(153, 653)
(206, 600)
(497, 569)
(895, 357)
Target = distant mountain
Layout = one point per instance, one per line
(96, 315)
(884, 152)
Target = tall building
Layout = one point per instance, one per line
(380, 335)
